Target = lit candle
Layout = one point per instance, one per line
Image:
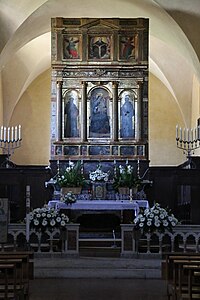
(8, 134)
(12, 134)
(16, 137)
(19, 132)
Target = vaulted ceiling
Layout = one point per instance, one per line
(174, 49)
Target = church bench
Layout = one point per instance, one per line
(172, 270)
(9, 286)
(24, 267)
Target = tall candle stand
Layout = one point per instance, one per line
(10, 139)
(188, 140)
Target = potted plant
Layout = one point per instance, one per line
(126, 179)
(154, 219)
(68, 198)
(45, 218)
(71, 179)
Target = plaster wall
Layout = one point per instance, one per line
(33, 113)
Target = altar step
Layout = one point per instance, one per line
(104, 244)
(96, 267)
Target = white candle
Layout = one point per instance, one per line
(195, 134)
(12, 134)
(192, 135)
(1, 133)
(16, 137)
(184, 132)
(180, 134)
(4, 134)
(8, 134)
(19, 132)
(188, 134)
(176, 131)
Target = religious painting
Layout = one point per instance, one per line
(99, 150)
(58, 150)
(71, 150)
(71, 115)
(127, 116)
(99, 114)
(71, 47)
(128, 47)
(99, 47)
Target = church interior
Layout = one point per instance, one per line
(90, 94)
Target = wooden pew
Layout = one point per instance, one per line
(173, 272)
(23, 262)
(7, 273)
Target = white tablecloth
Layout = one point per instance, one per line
(101, 205)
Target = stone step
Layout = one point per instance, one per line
(96, 267)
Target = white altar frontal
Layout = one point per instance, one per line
(101, 206)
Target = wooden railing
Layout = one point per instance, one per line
(184, 238)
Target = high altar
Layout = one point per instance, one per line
(99, 92)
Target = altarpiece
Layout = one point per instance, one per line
(99, 94)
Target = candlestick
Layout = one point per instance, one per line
(190, 140)
(9, 142)
(131, 195)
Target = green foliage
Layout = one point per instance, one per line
(72, 176)
(125, 177)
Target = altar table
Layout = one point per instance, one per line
(101, 205)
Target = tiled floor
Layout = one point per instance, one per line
(97, 289)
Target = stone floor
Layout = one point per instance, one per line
(84, 278)
(97, 289)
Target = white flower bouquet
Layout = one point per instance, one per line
(47, 218)
(99, 175)
(68, 198)
(154, 219)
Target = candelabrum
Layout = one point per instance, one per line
(10, 139)
(188, 139)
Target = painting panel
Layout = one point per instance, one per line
(99, 150)
(71, 115)
(127, 116)
(71, 150)
(128, 47)
(99, 47)
(99, 115)
(72, 47)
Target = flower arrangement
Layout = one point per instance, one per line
(154, 219)
(68, 198)
(124, 176)
(47, 218)
(72, 176)
(99, 175)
